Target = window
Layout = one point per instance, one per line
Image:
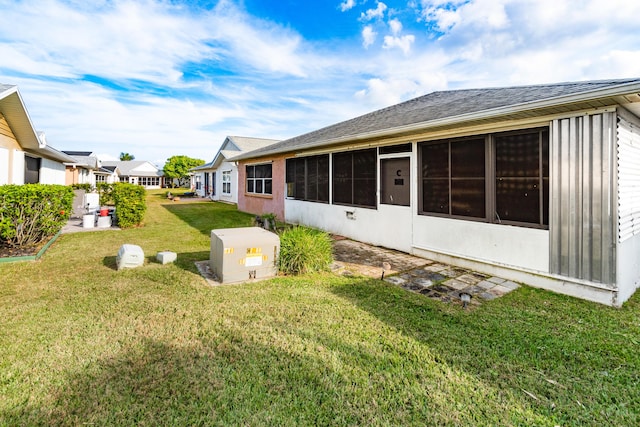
(101, 178)
(213, 184)
(308, 178)
(453, 178)
(31, 170)
(259, 179)
(394, 149)
(226, 182)
(149, 181)
(459, 178)
(354, 178)
(522, 177)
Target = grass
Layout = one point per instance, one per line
(81, 343)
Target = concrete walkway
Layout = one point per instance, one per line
(74, 225)
(430, 278)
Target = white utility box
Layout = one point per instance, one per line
(91, 202)
(129, 256)
(241, 254)
(166, 257)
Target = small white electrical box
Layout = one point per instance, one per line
(129, 256)
(242, 254)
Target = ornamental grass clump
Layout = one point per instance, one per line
(304, 250)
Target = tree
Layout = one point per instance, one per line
(126, 156)
(177, 167)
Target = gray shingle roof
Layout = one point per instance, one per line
(451, 106)
(243, 144)
(247, 143)
(4, 87)
(128, 167)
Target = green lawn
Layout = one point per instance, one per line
(84, 344)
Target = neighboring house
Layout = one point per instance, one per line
(218, 179)
(108, 174)
(138, 172)
(25, 156)
(88, 170)
(538, 184)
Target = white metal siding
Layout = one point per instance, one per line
(628, 179)
(583, 217)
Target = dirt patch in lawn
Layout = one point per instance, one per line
(7, 251)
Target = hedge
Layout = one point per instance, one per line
(130, 204)
(33, 213)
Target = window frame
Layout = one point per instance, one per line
(255, 182)
(32, 169)
(298, 182)
(490, 176)
(356, 176)
(226, 183)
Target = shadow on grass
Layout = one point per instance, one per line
(207, 216)
(223, 381)
(553, 351)
(223, 375)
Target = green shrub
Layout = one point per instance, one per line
(32, 213)
(130, 204)
(85, 187)
(106, 193)
(304, 250)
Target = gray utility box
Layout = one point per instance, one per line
(241, 254)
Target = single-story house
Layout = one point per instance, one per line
(218, 179)
(538, 184)
(88, 169)
(25, 156)
(137, 172)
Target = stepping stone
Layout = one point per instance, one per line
(455, 284)
(485, 284)
(511, 285)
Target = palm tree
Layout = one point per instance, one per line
(126, 156)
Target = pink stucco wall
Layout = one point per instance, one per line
(263, 204)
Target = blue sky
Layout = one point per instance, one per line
(157, 78)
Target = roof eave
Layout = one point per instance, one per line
(18, 119)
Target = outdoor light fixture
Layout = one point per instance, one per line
(466, 299)
(385, 266)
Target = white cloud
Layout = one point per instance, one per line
(173, 79)
(368, 36)
(137, 40)
(395, 25)
(347, 5)
(403, 42)
(378, 12)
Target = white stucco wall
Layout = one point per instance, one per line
(507, 245)
(390, 226)
(18, 167)
(52, 172)
(4, 166)
(233, 197)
